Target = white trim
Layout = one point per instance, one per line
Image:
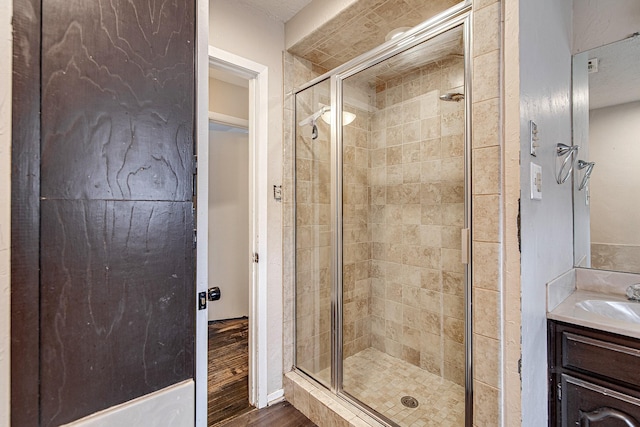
(275, 397)
(171, 405)
(258, 131)
(202, 217)
(228, 120)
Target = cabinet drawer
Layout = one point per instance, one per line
(603, 358)
(590, 405)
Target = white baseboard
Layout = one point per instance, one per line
(172, 406)
(275, 397)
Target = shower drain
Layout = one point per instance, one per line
(409, 401)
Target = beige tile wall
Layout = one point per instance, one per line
(356, 230)
(417, 211)
(296, 72)
(615, 257)
(487, 236)
(363, 26)
(486, 214)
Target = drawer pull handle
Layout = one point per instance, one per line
(605, 413)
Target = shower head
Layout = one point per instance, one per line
(457, 97)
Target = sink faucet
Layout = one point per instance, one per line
(633, 292)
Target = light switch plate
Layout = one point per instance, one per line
(533, 138)
(536, 182)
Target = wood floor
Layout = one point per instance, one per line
(228, 383)
(228, 380)
(279, 415)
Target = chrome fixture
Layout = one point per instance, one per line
(325, 113)
(570, 154)
(587, 173)
(395, 33)
(455, 97)
(633, 292)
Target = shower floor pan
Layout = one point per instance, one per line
(381, 381)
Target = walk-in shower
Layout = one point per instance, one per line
(382, 217)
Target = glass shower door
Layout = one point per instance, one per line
(313, 233)
(403, 209)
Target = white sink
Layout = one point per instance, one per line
(625, 311)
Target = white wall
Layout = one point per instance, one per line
(5, 205)
(312, 17)
(600, 22)
(547, 225)
(613, 144)
(229, 99)
(229, 253)
(245, 32)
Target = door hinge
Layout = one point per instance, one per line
(195, 238)
(255, 258)
(195, 164)
(559, 388)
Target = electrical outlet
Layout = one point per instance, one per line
(536, 182)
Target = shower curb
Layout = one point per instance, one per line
(323, 407)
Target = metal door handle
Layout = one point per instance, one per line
(213, 294)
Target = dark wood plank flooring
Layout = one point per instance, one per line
(281, 414)
(228, 380)
(228, 383)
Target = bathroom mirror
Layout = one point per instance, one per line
(606, 125)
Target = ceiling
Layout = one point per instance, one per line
(279, 10)
(618, 78)
(361, 27)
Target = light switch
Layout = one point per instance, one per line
(536, 182)
(533, 138)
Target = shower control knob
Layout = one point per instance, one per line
(213, 294)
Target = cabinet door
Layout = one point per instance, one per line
(586, 404)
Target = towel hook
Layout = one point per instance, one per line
(571, 153)
(587, 173)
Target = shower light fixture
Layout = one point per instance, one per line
(395, 33)
(325, 113)
(347, 117)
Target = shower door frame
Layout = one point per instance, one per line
(459, 15)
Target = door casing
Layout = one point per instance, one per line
(257, 74)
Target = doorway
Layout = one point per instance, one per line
(253, 125)
(229, 260)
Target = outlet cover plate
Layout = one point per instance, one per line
(536, 181)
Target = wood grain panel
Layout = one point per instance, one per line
(117, 313)
(228, 374)
(25, 214)
(117, 99)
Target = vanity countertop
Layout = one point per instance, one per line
(568, 291)
(568, 311)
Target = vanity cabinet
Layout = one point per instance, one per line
(594, 377)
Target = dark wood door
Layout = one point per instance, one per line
(105, 176)
(586, 404)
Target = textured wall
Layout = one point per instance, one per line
(600, 22)
(547, 224)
